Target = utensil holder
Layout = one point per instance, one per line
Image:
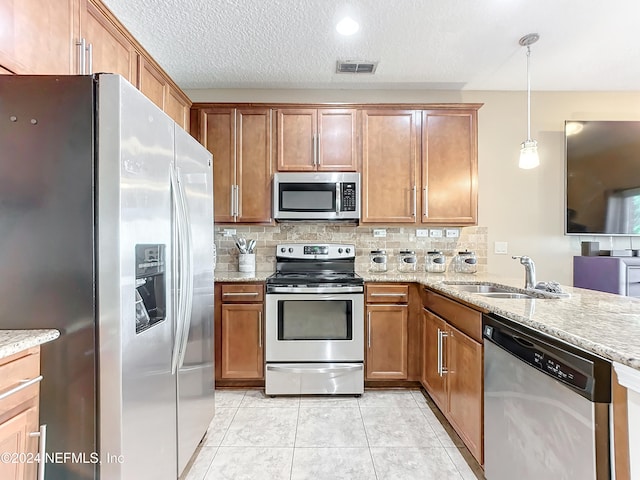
(247, 262)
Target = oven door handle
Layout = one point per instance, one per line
(312, 369)
(354, 289)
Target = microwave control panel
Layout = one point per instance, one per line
(349, 199)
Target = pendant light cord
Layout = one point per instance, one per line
(528, 95)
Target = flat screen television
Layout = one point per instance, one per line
(602, 177)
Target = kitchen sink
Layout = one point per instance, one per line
(498, 294)
(495, 291)
(475, 288)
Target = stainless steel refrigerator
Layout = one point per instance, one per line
(106, 234)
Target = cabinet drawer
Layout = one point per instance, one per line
(234, 293)
(18, 369)
(465, 319)
(387, 293)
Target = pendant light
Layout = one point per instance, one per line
(529, 148)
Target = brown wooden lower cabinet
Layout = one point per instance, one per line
(242, 347)
(453, 377)
(19, 413)
(386, 331)
(239, 337)
(386, 337)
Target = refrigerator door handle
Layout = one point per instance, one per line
(188, 274)
(180, 287)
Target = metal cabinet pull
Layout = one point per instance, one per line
(23, 384)
(81, 44)
(314, 149)
(425, 203)
(240, 294)
(233, 200)
(260, 329)
(439, 346)
(415, 200)
(90, 56)
(368, 329)
(443, 368)
(387, 294)
(42, 449)
(238, 209)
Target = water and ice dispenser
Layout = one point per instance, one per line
(151, 298)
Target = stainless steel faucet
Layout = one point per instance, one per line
(529, 270)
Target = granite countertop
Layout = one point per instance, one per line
(14, 341)
(603, 323)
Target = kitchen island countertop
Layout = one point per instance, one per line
(602, 323)
(14, 341)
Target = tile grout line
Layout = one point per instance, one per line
(295, 437)
(366, 436)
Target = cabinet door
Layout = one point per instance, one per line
(151, 81)
(112, 52)
(386, 352)
(242, 347)
(177, 106)
(389, 166)
(217, 134)
(434, 354)
(337, 149)
(465, 368)
(15, 439)
(253, 164)
(449, 167)
(297, 136)
(36, 37)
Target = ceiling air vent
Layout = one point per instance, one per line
(352, 66)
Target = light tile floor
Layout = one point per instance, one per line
(383, 435)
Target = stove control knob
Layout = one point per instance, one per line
(348, 250)
(283, 249)
(339, 250)
(290, 250)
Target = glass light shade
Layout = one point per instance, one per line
(529, 155)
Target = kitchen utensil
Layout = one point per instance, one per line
(241, 243)
(251, 246)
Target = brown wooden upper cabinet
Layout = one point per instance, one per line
(389, 166)
(310, 139)
(106, 48)
(449, 167)
(35, 36)
(81, 37)
(240, 141)
(420, 166)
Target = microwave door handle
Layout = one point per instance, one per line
(338, 199)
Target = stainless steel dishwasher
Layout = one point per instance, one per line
(546, 406)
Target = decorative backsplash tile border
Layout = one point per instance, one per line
(398, 238)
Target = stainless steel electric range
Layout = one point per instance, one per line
(314, 317)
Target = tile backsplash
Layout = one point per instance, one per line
(397, 238)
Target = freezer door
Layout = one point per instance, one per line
(195, 368)
(137, 390)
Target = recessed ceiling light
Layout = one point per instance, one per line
(347, 26)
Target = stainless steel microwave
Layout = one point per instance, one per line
(324, 196)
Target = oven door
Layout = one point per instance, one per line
(314, 327)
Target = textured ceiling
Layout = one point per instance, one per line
(433, 44)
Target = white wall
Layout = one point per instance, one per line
(522, 207)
